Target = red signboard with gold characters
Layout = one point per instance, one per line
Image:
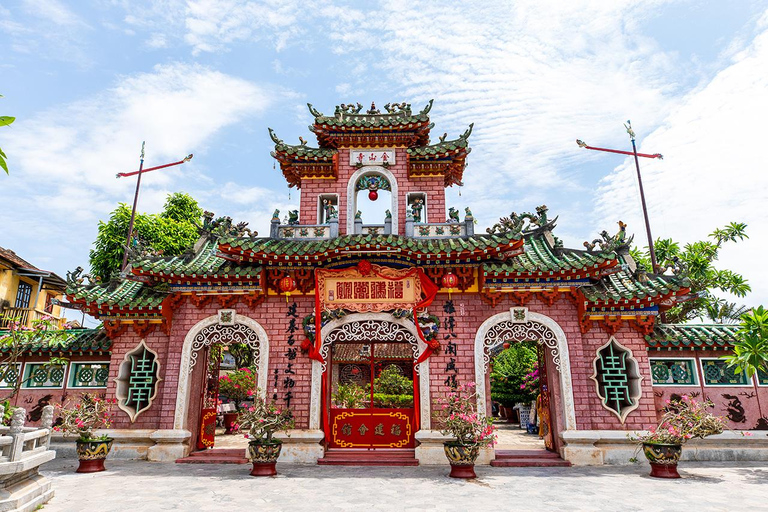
(371, 428)
(382, 288)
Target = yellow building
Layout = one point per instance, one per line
(28, 293)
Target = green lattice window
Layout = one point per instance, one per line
(88, 375)
(43, 375)
(617, 378)
(673, 372)
(9, 375)
(716, 372)
(137, 380)
(762, 378)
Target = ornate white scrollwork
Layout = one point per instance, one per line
(224, 334)
(369, 331)
(508, 331)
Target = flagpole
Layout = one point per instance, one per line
(642, 200)
(133, 211)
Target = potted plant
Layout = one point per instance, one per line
(469, 430)
(82, 418)
(683, 420)
(238, 386)
(260, 422)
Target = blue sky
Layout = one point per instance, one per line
(89, 80)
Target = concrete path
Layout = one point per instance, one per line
(512, 437)
(143, 486)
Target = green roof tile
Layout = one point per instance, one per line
(77, 340)
(692, 336)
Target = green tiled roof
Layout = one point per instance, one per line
(78, 340)
(692, 336)
(624, 286)
(363, 119)
(283, 247)
(539, 257)
(442, 147)
(127, 294)
(204, 264)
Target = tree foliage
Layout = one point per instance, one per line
(750, 353)
(5, 121)
(698, 260)
(170, 232)
(508, 374)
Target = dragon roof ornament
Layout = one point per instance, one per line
(516, 224)
(611, 244)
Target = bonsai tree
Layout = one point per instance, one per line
(263, 419)
(392, 389)
(238, 385)
(459, 419)
(683, 420)
(84, 416)
(510, 370)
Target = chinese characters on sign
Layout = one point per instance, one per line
(450, 345)
(292, 353)
(357, 290)
(367, 157)
(352, 429)
(379, 290)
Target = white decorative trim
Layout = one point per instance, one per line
(547, 332)
(185, 368)
(418, 347)
(634, 380)
(124, 375)
(352, 195)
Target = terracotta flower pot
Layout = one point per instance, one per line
(264, 457)
(92, 454)
(663, 459)
(462, 458)
(230, 418)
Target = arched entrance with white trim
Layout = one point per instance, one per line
(502, 328)
(352, 196)
(365, 326)
(209, 331)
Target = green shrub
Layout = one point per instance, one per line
(509, 371)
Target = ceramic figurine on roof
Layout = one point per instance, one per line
(329, 298)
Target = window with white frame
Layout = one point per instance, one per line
(674, 372)
(716, 372)
(88, 375)
(9, 375)
(43, 375)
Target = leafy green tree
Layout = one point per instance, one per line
(172, 232)
(508, 374)
(697, 260)
(750, 353)
(5, 121)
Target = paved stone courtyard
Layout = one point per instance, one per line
(144, 486)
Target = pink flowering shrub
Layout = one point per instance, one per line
(531, 380)
(86, 415)
(238, 385)
(263, 419)
(684, 419)
(458, 417)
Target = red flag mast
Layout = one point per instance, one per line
(634, 152)
(136, 195)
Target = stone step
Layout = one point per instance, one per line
(216, 456)
(524, 463)
(357, 457)
(526, 454)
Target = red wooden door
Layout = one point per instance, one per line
(371, 405)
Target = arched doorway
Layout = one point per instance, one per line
(521, 325)
(369, 343)
(197, 391)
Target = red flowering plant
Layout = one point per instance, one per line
(86, 415)
(458, 417)
(261, 420)
(531, 380)
(683, 420)
(238, 386)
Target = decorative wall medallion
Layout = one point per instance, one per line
(617, 378)
(227, 316)
(519, 315)
(137, 380)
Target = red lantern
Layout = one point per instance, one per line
(364, 267)
(287, 285)
(373, 195)
(450, 280)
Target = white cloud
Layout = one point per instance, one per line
(714, 169)
(64, 160)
